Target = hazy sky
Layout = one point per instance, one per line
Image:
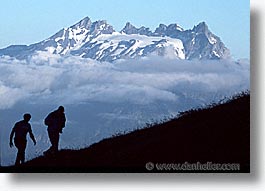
(30, 21)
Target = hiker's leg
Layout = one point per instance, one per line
(50, 133)
(21, 146)
(54, 139)
(18, 158)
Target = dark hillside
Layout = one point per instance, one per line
(219, 134)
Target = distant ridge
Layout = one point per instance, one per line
(99, 41)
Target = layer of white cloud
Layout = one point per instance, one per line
(72, 80)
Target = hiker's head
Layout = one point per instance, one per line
(27, 117)
(61, 109)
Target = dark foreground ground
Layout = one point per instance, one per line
(206, 140)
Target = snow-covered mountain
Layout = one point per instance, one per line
(98, 40)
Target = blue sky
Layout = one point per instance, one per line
(30, 21)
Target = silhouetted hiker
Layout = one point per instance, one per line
(21, 129)
(55, 122)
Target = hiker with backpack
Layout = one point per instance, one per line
(55, 122)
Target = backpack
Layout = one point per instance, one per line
(48, 120)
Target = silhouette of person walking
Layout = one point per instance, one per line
(20, 130)
(55, 122)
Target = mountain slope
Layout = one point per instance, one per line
(219, 134)
(82, 39)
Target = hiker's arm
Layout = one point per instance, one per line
(11, 137)
(63, 121)
(32, 136)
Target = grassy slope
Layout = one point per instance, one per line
(220, 134)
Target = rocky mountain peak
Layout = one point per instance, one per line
(202, 27)
(129, 29)
(101, 27)
(84, 23)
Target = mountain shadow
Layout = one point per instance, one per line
(200, 140)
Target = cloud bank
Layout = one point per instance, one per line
(46, 78)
